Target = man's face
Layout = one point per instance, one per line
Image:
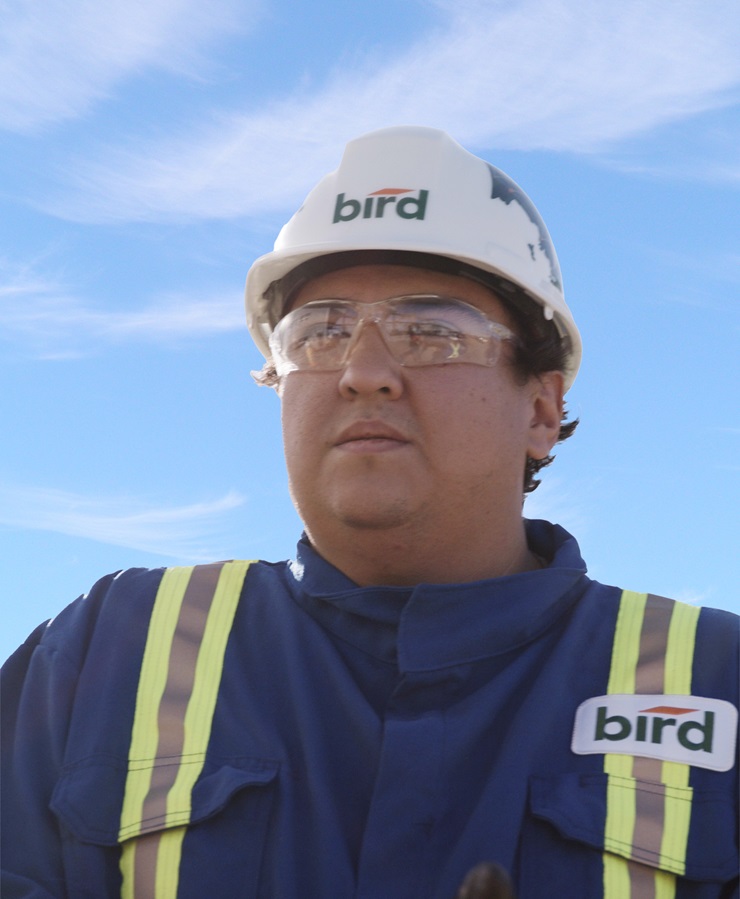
(380, 446)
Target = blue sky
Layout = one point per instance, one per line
(149, 151)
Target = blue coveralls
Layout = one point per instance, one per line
(367, 742)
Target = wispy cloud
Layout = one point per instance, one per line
(533, 74)
(553, 501)
(192, 531)
(703, 150)
(40, 315)
(719, 171)
(693, 597)
(61, 56)
(705, 280)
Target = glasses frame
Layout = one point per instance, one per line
(376, 313)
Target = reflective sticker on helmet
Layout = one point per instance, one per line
(503, 188)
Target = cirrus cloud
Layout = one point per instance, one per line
(530, 75)
(61, 57)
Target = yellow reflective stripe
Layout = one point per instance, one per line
(188, 633)
(618, 765)
(621, 803)
(626, 648)
(621, 814)
(679, 652)
(152, 680)
(202, 702)
(616, 877)
(169, 854)
(681, 642)
(675, 774)
(665, 885)
(126, 866)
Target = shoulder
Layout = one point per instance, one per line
(114, 617)
(645, 606)
(118, 604)
(717, 653)
(646, 626)
(96, 645)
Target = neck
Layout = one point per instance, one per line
(397, 558)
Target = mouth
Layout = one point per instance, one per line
(371, 437)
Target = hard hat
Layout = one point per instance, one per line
(415, 189)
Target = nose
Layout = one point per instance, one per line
(370, 367)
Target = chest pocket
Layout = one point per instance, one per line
(168, 851)
(567, 826)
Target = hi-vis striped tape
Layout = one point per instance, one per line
(178, 683)
(649, 800)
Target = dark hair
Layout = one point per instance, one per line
(541, 347)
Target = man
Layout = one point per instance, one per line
(433, 693)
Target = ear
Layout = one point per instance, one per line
(547, 413)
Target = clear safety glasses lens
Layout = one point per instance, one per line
(423, 329)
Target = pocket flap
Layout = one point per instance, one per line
(89, 797)
(576, 806)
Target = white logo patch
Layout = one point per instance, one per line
(690, 729)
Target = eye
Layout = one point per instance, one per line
(434, 330)
(319, 335)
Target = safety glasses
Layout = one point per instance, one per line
(419, 330)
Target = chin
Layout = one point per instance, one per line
(375, 517)
(373, 522)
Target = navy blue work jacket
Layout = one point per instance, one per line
(373, 743)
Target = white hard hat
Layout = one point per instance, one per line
(415, 189)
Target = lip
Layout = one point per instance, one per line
(370, 436)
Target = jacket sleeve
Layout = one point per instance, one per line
(38, 685)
